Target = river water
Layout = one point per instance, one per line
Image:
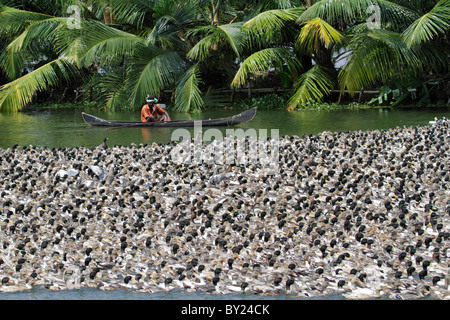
(65, 128)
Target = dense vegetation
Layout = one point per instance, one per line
(188, 52)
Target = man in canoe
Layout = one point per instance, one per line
(150, 111)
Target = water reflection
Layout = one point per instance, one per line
(146, 135)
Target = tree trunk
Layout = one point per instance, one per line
(323, 57)
(214, 15)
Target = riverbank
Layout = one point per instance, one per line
(362, 214)
(273, 102)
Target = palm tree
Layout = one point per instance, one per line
(220, 44)
(409, 52)
(331, 30)
(25, 52)
(129, 56)
(269, 44)
(431, 25)
(140, 47)
(146, 47)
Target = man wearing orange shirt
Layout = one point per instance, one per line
(150, 111)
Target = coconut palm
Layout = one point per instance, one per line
(331, 30)
(269, 44)
(138, 58)
(140, 47)
(431, 25)
(383, 55)
(349, 20)
(25, 52)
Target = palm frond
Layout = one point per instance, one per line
(187, 93)
(7, 3)
(335, 11)
(318, 32)
(430, 25)
(262, 60)
(113, 90)
(393, 16)
(312, 86)
(379, 55)
(133, 12)
(101, 40)
(203, 48)
(213, 99)
(28, 44)
(230, 34)
(365, 66)
(350, 12)
(234, 35)
(14, 21)
(172, 21)
(184, 13)
(16, 94)
(151, 70)
(270, 20)
(257, 40)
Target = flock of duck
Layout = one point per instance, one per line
(364, 214)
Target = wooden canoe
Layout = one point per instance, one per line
(242, 117)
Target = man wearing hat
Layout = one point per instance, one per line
(150, 111)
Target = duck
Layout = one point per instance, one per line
(103, 145)
(335, 209)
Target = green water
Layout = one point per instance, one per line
(65, 127)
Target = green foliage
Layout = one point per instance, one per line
(261, 61)
(151, 69)
(429, 26)
(214, 37)
(420, 6)
(215, 100)
(128, 49)
(350, 12)
(311, 86)
(279, 101)
(316, 33)
(187, 93)
(334, 106)
(20, 91)
(271, 22)
(271, 101)
(399, 93)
